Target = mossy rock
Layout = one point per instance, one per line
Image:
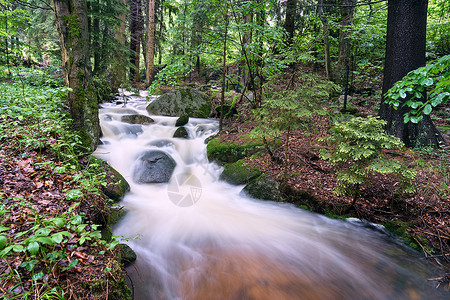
(137, 119)
(263, 188)
(116, 213)
(225, 152)
(181, 121)
(117, 185)
(228, 110)
(239, 173)
(181, 133)
(127, 255)
(181, 101)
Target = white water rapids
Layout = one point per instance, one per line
(199, 238)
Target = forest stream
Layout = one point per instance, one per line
(197, 237)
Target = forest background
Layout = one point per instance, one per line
(282, 75)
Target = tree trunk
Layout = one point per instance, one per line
(344, 60)
(224, 68)
(135, 38)
(289, 21)
(405, 51)
(72, 26)
(118, 68)
(326, 43)
(95, 48)
(150, 42)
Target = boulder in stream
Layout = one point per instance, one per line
(181, 121)
(153, 166)
(181, 101)
(263, 188)
(181, 132)
(137, 119)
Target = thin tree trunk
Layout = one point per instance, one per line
(119, 70)
(150, 42)
(289, 21)
(344, 60)
(326, 42)
(224, 71)
(138, 41)
(96, 35)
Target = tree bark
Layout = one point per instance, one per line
(150, 42)
(326, 42)
(289, 21)
(118, 68)
(405, 51)
(345, 57)
(72, 26)
(135, 37)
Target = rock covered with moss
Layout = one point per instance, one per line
(181, 101)
(226, 152)
(264, 188)
(239, 173)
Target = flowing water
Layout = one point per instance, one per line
(200, 238)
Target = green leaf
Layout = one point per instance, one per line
(416, 119)
(29, 265)
(71, 265)
(429, 81)
(406, 118)
(427, 110)
(45, 240)
(3, 241)
(3, 228)
(37, 276)
(59, 236)
(17, 248)
(402, 93)
(58, 221)
(438, 100)
(33, 248)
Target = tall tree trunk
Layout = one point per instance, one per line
(139, 28)
(118, 69)
(95, 48)
(326, 42)
(344, 60)
(405, 51)
(289, 21)
(224, 68)
(135, 37)
(72, 26)
(150, 42)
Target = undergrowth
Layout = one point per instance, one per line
(49, 245)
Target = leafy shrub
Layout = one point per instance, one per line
(356, 150)
(435, 76)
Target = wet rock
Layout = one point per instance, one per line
(127, 255)
(263, 188)
(107, 118)
(181, 132)
(137, 119)
(183, 120)
(161, 143)
(132, 129)
(153, 166)
(181, 101)
(223, 152)
(239, 173)
(118, 185)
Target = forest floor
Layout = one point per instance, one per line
(422, 218)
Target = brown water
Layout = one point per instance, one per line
(200, 238)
